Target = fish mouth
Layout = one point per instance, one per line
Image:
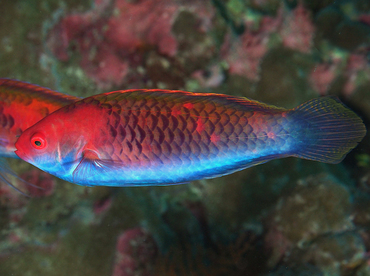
(20, 153)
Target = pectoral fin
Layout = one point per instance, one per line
(91, 165)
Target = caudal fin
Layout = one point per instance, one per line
(329, 130)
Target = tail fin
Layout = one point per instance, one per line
(331, 130)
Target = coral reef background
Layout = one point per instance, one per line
(286, 217)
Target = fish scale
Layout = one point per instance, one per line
(161, 137)
(150, 126)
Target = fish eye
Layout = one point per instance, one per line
(38, 141)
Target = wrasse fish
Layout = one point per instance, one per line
(21, 106)
(160, 137)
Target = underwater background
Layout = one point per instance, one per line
(285, 217)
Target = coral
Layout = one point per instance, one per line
(336, 254)
(356, 63)
(143, 22)
(98, 58)
(298, 30)
(334, 26)
(317, 206)
(212, 77)
(245, 53)
(322, 76)
(136, 251)
(352, 70)
(112, 38)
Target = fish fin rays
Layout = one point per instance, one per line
(91, 165)
(331, 130)
(6, 172)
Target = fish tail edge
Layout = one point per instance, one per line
(331, 130)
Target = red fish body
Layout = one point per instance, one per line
(154, 137)
(21, 106)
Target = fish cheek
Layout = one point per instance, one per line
(70, 151)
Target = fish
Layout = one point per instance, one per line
(22, 105)
(161, 137)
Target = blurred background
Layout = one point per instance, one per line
(286, 217)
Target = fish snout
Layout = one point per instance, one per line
(19, 152)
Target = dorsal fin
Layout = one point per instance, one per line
(182, 96)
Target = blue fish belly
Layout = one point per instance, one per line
(188, 168)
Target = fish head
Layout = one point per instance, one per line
(52, 145)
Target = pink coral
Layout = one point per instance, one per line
(298, 30)
(213, 77)
(356, 62)
(143, 22)
(112, 38)
(136, 252)
(244, 54)
(322, 76)
(350, 66)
